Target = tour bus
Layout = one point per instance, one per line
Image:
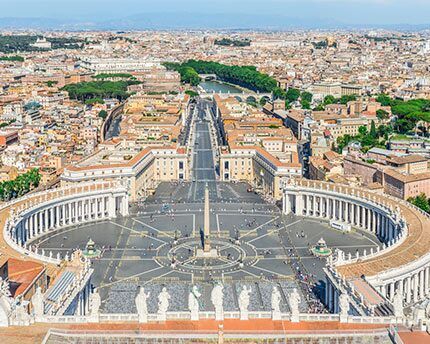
(344, 227)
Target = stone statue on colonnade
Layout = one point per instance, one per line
(217, 298)
(244, 302)
(276, 303)
(37, 302)
(294, 300)
(163, 304)
(193, 303)
(142, 305)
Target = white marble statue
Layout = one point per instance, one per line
(5, 303)
(217, 298)
(276, 303)
(95, 303)
(294, 301)
(4, 288)
(37, 302)
(343, 305)
(193, 303)
(398, 304)
(244, 302)
(142, 305)
(20, 316)
(163, 304)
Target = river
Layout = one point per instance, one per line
(218, 87)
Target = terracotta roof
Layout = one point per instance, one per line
(24, 273)
(408, 159)
(407, 178)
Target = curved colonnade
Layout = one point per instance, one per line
(36, 215)
(402, 265)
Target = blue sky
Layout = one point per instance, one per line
(344, 11)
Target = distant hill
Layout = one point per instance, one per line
(176, 21)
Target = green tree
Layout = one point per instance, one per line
(279, 93)
(245, 76)
(329, 99)
(20, 185)
(94, 101)
(384, 100)
(319, 107)
(103, 114)
(381, 114)
(305, 104)
(293, 94)
(347, 98)
(343, 141)
(191, 93)
(362, 130)
(373, 134)
(306, 96)
(421, 202)
(14, 58)
(263, 101)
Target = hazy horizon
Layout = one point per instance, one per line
(216, 14)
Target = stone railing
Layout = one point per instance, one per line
(172, 316)
(20, 207)
(370, 200)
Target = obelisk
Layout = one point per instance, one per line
(206, 228)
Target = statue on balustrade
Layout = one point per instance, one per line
(5, 303)
(141, 301)
(95, 303)
(276, 303)
(37, 302)
(217, 298)
(244, 302)
(294, 300)
(398, 304)
(163, 304)
(19, 315)
(193, 303)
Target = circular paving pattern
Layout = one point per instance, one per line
(185, 255)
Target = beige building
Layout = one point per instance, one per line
(335, 89)
(261, 169)
(140, 170)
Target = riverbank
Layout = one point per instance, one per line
(216, 86)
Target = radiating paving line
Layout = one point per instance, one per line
(132, 276)
(153, 228)
(273, 231)
(260, 226)
(140, 233)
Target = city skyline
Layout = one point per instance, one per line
(215, 172)
(168, 14)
